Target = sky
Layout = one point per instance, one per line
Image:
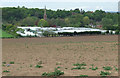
(87, 5)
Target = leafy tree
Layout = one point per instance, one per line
(29, 21)
(76, 19)
(11, 13)
(107, 23)
(60, 22)
(86, 20)
(67, 21)
(19, 16)
(89, 14)
(42, 23)
(77, 10)
(52, 22)
(98, 15)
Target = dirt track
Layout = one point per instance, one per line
(60, 51)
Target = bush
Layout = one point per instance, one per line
(79, 33)
(48, 33)
(111, 32)
(103, 33)
(117, 32)
(107, 32)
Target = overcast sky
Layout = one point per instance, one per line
(91, 5)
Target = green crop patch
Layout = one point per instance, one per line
(53, 74)
(3, 62)
(79, 66)
(58, 67)
(38, 66)
(102, 73)
(31, 65)
(6, 71)
(116, 68)
(93, 68)
(12, 62)
(82, 64)
(107, 68)
(83, 75)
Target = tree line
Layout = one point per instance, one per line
(22, 16)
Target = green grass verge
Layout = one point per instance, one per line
(4, 34)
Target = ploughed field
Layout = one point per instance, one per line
(75, 56)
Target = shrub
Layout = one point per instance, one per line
(111, 32)
(107, 32)
(117, 32)
(48, 33)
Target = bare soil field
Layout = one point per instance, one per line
(99, 53)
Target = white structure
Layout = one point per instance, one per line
(32, 31)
